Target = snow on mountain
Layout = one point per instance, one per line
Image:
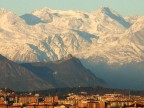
(137, 25)
(114, 16)
(132, 18)
(47, 34)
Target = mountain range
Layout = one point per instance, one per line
(97, 37)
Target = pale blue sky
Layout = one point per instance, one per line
(124, 7)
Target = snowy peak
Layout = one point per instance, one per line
(108, 11)
(9, 19)
(115, 16)
(43, 10)
(3, 11)
(44, 14)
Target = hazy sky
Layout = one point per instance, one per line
(124, 7)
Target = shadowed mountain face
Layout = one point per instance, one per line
(118, 18)
(31, 19)
(65, 73)
(41, 76)
(19, 78)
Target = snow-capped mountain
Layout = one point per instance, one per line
(93, 37)
(47, 34)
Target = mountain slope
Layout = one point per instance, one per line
(18, 78)
(65, 73)
(43, 76)
(49, 35)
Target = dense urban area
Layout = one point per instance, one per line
(11, 99)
